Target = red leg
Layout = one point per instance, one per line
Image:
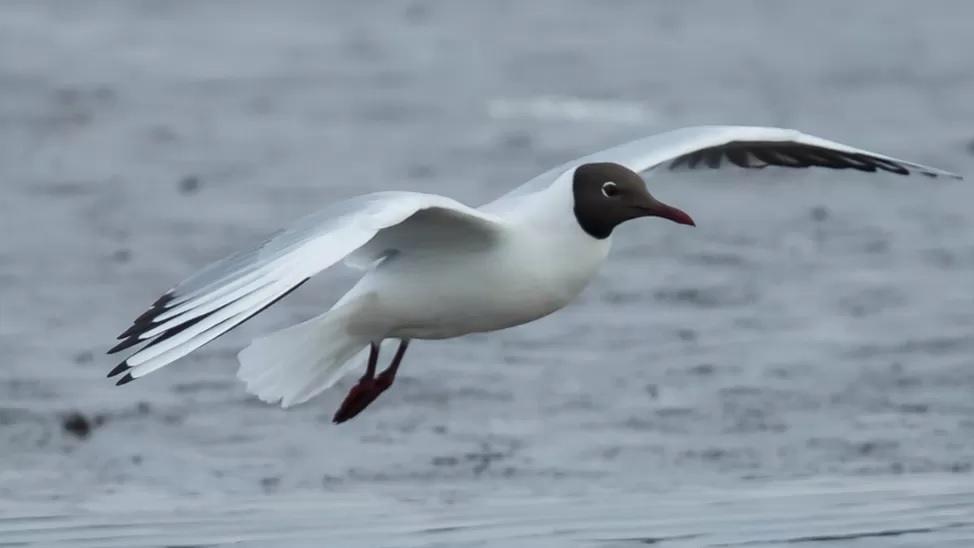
(373, 359)
(370, 386)
(388, 376)
(360, 395)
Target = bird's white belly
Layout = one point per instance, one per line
(438, 296)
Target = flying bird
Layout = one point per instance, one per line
(434, 268)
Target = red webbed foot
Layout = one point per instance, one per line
(359, 397)
(370, 386)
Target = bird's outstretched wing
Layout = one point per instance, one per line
(752, 147)
(743, 146)
(231, 291)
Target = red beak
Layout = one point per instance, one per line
(659, 209)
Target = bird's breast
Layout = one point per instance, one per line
(517, 281)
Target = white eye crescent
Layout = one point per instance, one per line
(609, 189)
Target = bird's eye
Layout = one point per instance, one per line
(609, 189)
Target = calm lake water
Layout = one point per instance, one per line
(798, 370)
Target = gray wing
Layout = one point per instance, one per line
(743, 146)
(231, 291)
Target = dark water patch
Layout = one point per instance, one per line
(270, 484)
(708, 297)
(768, 397)
(161, 134)
(929, 346)
(878, 245)
(652, 540)
(81, 425)
(718, 259)
(960, 468)
(65, 189)
(736, 458)
(750, 420)
(23, 429)
(819, 213)
(702, 370)
(79, 96)
(871, 456)
(913, 408)
(199, 386)
(26, 389)
(871, 301)
(190, 184)
(579, 402)
(390, 112)
(621, 298)
(946, 258)
(855, 536)
(482, 393)
(670, 420)
(420, 172)
(121, 256)
(488, 456)
(517, 141)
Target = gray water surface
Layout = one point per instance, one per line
(798, 370)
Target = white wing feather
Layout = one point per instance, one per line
(228, 292)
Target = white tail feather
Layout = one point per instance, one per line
(295, 364)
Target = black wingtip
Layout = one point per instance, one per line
(944, 175)
(125, 380)
(148, 317)
(141, 324)
(127, 343)
(130, 331)
(119, 369)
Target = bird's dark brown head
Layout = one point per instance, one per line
(607, 195)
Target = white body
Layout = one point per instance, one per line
(426, 295)
(436, 268)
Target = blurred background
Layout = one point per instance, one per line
(799, 368)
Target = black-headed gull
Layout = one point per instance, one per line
(435, 268)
